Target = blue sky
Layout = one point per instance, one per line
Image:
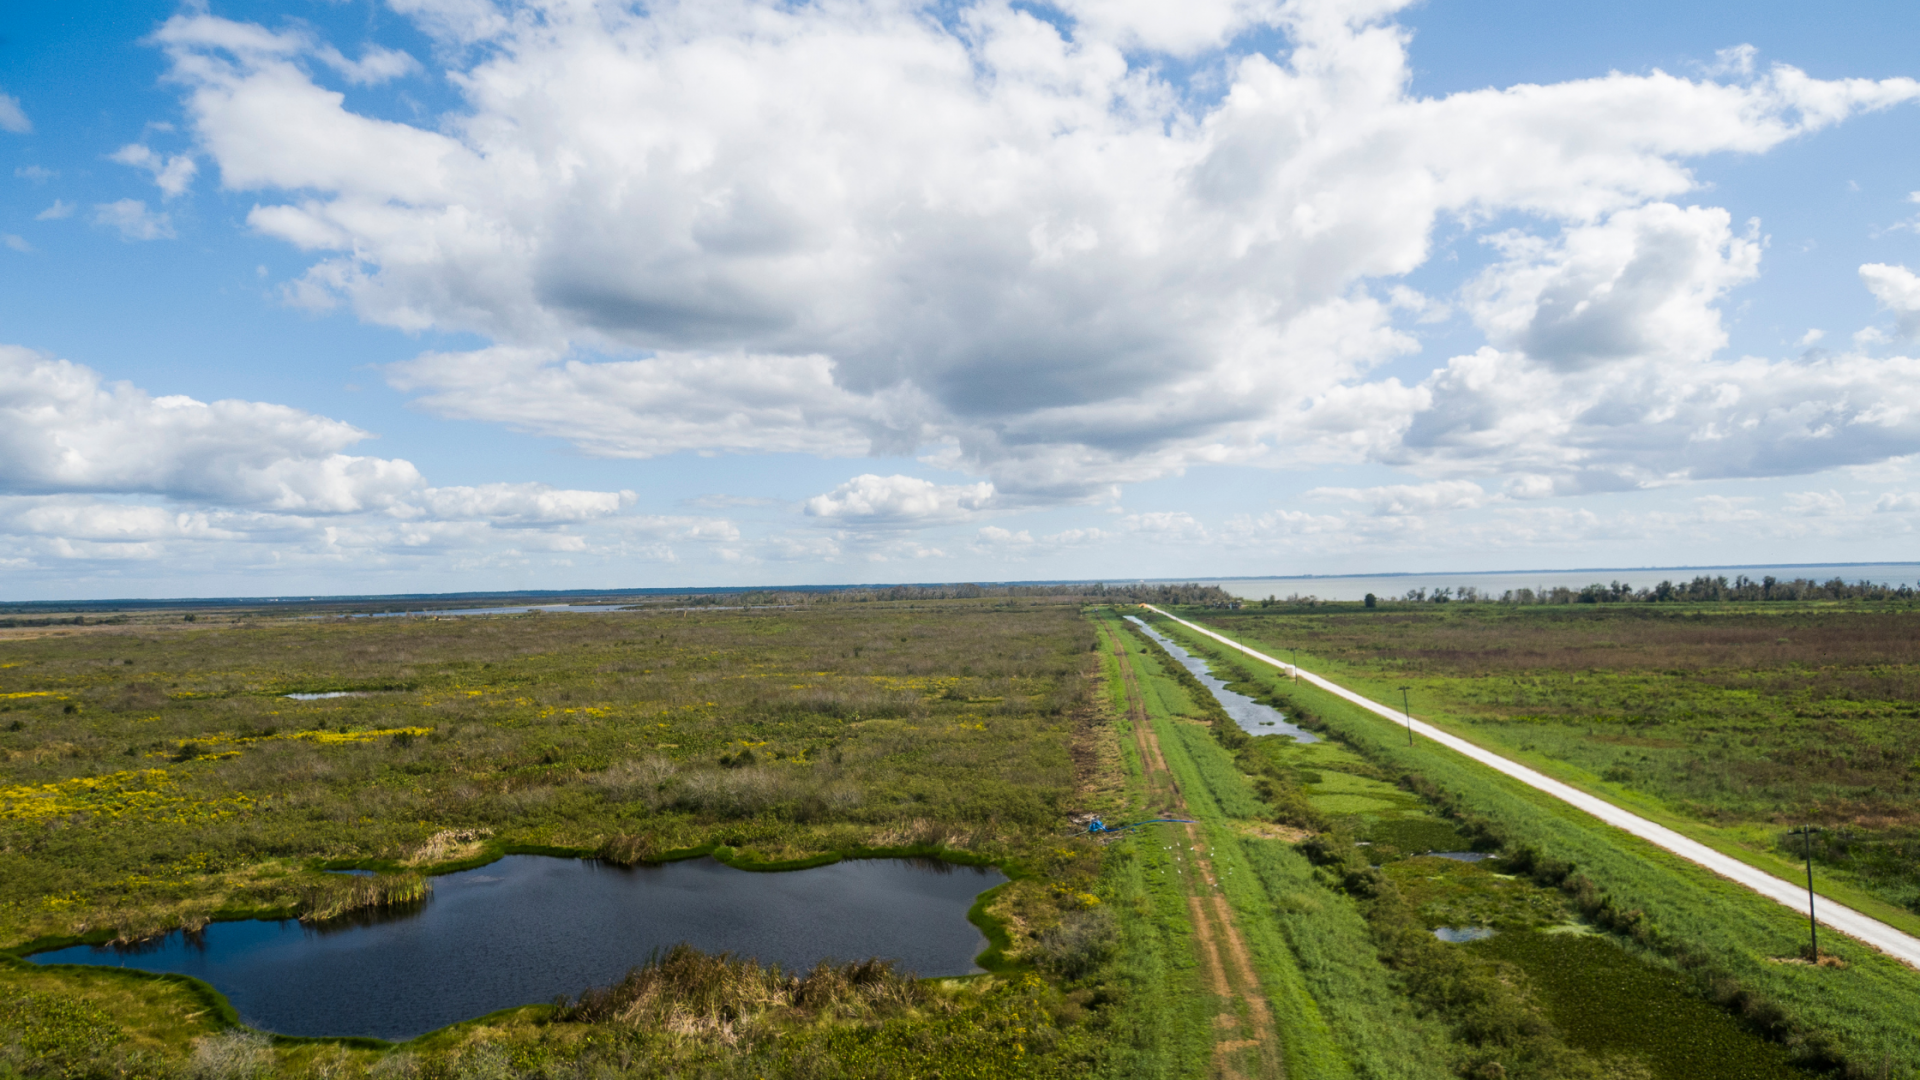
(447, 294)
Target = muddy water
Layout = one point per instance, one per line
(527, 928)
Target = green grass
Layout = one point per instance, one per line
(1719, 936)
(153, 775)
(1734, 722)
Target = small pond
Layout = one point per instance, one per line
(528, 928)
(1253, 717)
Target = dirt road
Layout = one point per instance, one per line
(1860, 927)
(1244, 1042)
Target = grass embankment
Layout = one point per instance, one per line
(1727, 943)
(1734, 723)
(153, 777)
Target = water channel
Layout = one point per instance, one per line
(527, 928)
(1253, 717)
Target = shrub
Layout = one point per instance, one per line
(1078, 944)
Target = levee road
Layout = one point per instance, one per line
(1870, 931)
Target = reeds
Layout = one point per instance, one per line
(343, 894)
(692, 993)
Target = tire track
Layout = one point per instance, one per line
(1225, 961)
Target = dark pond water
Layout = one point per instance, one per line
(528, 928)
(1253, 717)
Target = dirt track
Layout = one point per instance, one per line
(1244, 1040)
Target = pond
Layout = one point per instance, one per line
(528, 928)
(1253, 717)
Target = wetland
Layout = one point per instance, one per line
(527, 928)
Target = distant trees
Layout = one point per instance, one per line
(1702, 588)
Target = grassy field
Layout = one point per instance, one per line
(154, 775)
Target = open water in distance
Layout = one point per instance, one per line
(1253, 717)
(527, 928)
(1393, 586)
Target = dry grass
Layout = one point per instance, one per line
(690, 993)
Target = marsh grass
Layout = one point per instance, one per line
(185, 786)
(336, 895)
(780, 733)
(691, 993)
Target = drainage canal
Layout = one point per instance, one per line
(1253, 717)
(528, 928)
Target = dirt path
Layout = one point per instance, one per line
(1244, 1043)
(1862, 928)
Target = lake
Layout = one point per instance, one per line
(528, 928)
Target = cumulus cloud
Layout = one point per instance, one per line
(131, 218)
(12, 117)
(881, 501)
(66, 430)
(172, 175)
(65, 433)
(1898, 291)
(36, 173)
(1640, 285)
(1038, 257)
(60, 209)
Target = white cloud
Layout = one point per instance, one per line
(523, 503)
(883, 501)
(12, 117)
(1653, 421)
(1037, 257)
(1177, 29)
(1898, 290)
(376, 65)
(104, 473)
(1403, 499)
(60, 209)
(36, 173)
(17, 243)
(1816, 503)
(172, 175)
(133, 220)
(1640, 285)
(1167, 527)
(67, 431)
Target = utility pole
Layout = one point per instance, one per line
(1408, 709)
(1813, 925)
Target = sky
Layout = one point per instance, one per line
(442, 295)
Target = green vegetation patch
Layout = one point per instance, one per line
(1605, 1000)
(1450, 893)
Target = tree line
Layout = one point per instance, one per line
(1701, 588)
